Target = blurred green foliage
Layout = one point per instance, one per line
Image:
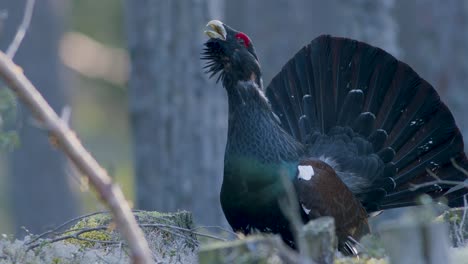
(100, 108)
(8, 114)
(8, 141)
(101, 20)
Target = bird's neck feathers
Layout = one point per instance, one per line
(254, 131)
(242, 70)
(247, 96)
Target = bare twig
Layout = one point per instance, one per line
(28, 12)
(58, 234)
(77, 233)
(415, 187)
(458, 167)
(462, 223)
(191, 231)
(55, 230)
(461, 184)
(67, 141)
(459, 228)
(219, 228)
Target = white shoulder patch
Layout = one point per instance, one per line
(305, 172)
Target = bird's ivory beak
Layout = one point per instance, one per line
(218, 32)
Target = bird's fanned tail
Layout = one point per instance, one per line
(341, 90)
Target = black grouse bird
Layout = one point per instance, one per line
(349, 125)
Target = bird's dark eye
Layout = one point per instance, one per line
(243, 38)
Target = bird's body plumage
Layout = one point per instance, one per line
(350, 127)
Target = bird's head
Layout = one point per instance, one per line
(231, 54)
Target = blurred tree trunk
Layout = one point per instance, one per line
(434, 41)
(283, 26)
(371, 21)
(178, 117)
(39, 192)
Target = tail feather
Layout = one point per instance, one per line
(364, 124)
(323, 94)
(304, 128)
(426, 139)
(309, 111)
(417, 113)
(386, 154)
(400, 92)
(352, 107)
(378, 138)
(431, 160)
(397, 125)
(279, 100)
(419, 184)
(382, 76)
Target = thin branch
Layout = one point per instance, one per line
(437, 180)
(219, 228)
(462, 223)
(78, 232)
(415, 187)
(77, 236)
(461, 227)
(69, 143)
(54, 231)
(175, 233)
(458, 167)
(28, 12)
(191, 231)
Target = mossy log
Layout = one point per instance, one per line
(317, 238)
(261, 249)
(94, 239)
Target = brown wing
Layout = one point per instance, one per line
(321, 193)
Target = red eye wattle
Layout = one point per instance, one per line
(244, 37)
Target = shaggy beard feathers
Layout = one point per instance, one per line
(211, 53)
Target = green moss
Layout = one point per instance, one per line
(56, 261)
(108, 233)
(92, 222)
(452, 216)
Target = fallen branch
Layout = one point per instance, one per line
(56, 229)
(76, 233)
(67, 141)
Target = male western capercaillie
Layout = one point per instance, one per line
(351, 127)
